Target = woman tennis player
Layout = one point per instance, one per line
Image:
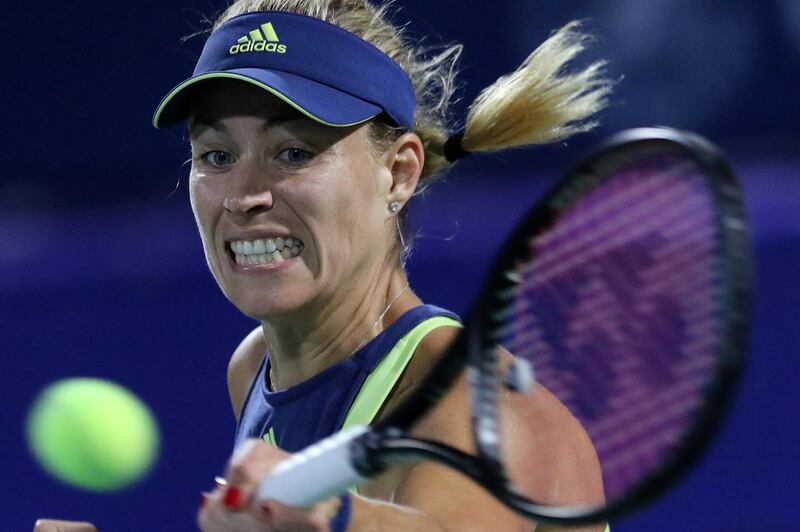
(312, 125)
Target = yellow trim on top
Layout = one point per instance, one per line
(383, 378)
(230, 75)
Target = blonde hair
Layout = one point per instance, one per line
(539, 103)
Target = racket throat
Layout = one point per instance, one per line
(519, 377)
(485, 419)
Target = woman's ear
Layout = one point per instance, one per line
(405, 160)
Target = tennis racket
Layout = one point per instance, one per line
(626, 293)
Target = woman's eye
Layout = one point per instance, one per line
(294, 156)
(217, 158)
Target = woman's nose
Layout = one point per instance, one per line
(250, 203)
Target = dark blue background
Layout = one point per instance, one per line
(102, 274)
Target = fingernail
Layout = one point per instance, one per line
(265, 509)
(203, 500)
(233, 498)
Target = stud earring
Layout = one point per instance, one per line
(394, 206)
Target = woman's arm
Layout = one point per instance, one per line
(230, 507)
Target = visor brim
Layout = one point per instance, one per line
(317, 101)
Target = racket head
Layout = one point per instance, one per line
(628, 290)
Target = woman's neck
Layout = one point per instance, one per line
(301, 346)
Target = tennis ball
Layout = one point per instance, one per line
(92, 433)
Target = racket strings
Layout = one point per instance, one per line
(615, 310)
(595, 235)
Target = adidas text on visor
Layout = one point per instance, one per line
(323, 71)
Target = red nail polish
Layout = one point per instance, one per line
(203, 500)
(233, 498)
(265, 509)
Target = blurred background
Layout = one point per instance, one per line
(102, 274)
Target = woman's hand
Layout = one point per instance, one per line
(54, 525)
(231, 506)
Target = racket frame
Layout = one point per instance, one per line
(736, 302)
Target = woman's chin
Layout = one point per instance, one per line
(266, 308)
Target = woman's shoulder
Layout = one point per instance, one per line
(550, 456)
(243, 367)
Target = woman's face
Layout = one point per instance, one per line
(292, 214)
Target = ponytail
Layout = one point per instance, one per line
(539, 103)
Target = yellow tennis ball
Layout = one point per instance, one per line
(92, 433)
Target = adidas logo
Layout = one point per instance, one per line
(263, 39)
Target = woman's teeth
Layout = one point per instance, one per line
(265, 251)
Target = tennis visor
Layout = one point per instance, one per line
(323, 71)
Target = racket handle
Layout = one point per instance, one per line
(318, 472)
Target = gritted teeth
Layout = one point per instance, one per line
(265, 245)
(266, 250)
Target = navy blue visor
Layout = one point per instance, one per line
(323, 71)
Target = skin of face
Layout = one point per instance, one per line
(260, 169)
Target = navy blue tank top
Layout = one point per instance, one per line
(316, 408)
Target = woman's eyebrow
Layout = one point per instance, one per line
(199, 125)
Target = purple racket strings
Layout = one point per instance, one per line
(617, 311)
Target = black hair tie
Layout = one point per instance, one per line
(453, 149)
